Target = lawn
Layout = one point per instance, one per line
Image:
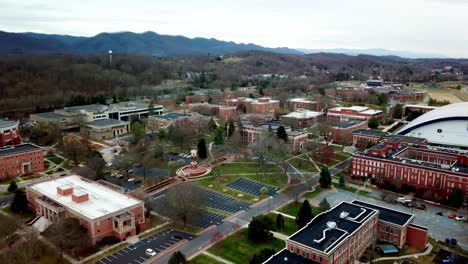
(351, 189)
(55, 159)
(312, 194)
(292, 209)
(304, 165)
(203, 259)
(238, 249)
(250, 167)
(289, 227)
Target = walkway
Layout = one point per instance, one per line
(283, 214)
(279, 235)
(220, 259)
(427, 252)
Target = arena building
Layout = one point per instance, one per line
(9, 133)
(447, 125)
(342, 234)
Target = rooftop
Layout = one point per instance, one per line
(302, 113)
(107, 122)
(18, 149)
(7, 123)
(301, 100)
(347, 124)
(286, 257)
(406, 139)
(51, 115)
(102, 200)
(386, 214)
(371, 133)
(171, 115)
(328, 229)
(88, 108)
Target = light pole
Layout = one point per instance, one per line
(269, 206)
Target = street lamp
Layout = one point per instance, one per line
(269, 206)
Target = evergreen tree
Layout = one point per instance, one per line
(251, 96)
(280, 221)
(398, 111)
(114, 99)
(325, 177)
(138, 131)
(231, 128)
(324, 205)
(259, 228)
(151, 109)
(177, 258)
(304, 215)
(202, 154)
(373, 123)
(342, 181)
(218, 138)
(261, 91)
(12, 187)
(20, 202)
(212, 124)
(281, 133)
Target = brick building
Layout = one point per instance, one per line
(101, 210)
(301, 103)
(302, 118)
(9, 133)
(340, 114)
(341, 132)
(296, 138)
(262, 106)
(408, 160)
(105, 129)
(20, 159)
(221, 111)
(342, 234)
(362, 137)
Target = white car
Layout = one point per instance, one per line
(150, 252)
(460, 218)
(402, 200)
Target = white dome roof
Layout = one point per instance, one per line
(451, 111)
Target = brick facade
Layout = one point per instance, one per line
(9, 133)
(21, 159)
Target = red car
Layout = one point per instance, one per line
(452, 216)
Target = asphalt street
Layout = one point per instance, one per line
(135, 253)
(4, 201)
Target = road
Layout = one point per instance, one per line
(6, 200)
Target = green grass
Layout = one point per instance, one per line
(237, 248)
(25, 216)
(50, 172)
(293, 208)
(304, 165)
(342, 156)
(312, 194)
(289, 227)
(236, 168)
(203, 259)
(441, 245)
(351, 189)
(55, 159)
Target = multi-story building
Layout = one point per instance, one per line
(302, 118)
(103, 211)
(340, 114)
(73, 117)
(221, 111)
(103, 129)
(342, 234)
(301, 103)
(9, 133)
(341, 132)
(251, 133)
(262, 106)
(407, 160)
(20, 159)
(362, 137)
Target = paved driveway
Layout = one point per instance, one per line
(135, 254)
(440, 227)
(4, 201)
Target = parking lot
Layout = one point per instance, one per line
(123, 183)
(135, 253)
(150, 172)
(251, 187)
(185, 159)
(206, 219)
(222, 202)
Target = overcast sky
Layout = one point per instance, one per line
(427, 26)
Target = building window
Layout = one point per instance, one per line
(439, 130)
(99, 230)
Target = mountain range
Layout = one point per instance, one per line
(151, 43)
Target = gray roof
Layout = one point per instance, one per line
(91, 108)
(5, 123)
(18, 149)
(370, 133)
(172, 115)
(107, 122)
(347, 124)
(50, 115)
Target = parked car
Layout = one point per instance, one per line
(452, 216)
(421, 206)
(460, 218)
(150, 252)
(439, 213)
(403, 200)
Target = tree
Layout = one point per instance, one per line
(97, 165)
(162, 135)
(151, 109)
(325, 177)
(218, 137)
(26, 250)
(73, 149)
(324, 129)
(342, 181)
(186, 201)
(20, 202)
(251, 96)
(324, 205)
(455, 198)
(261, 91)
(279, 221)
(398, 111)
(262, 256)
(202, 154)
(12, 187)
(259, 228)
(68, 235)
(382, 99)
(281, 133)
(212, 124)
(373, 123)
(231, 128)
(264, 190)
(177, 258)
(138, 131)
(304, 215)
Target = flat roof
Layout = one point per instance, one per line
(302, 113)
(386, 214)
(5, 123)
(301, 100)
(379, 147)
(283, 255)
(9, 150)
(50, 115)
(371, 133)
(89, 108)
(171, 115)
(107, 122)
(406, 139)
(347, 218)
(102, 200)
(349, 123)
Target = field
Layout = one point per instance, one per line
(442, 96)
(203, 259)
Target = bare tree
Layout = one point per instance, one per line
(262, 151)
(186, 201)
(68, 235)
(27, 248)
(73, 149)
(324, 128)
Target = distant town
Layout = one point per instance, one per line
(371, 171)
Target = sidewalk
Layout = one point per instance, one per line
(428, 250)
(217, 258)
